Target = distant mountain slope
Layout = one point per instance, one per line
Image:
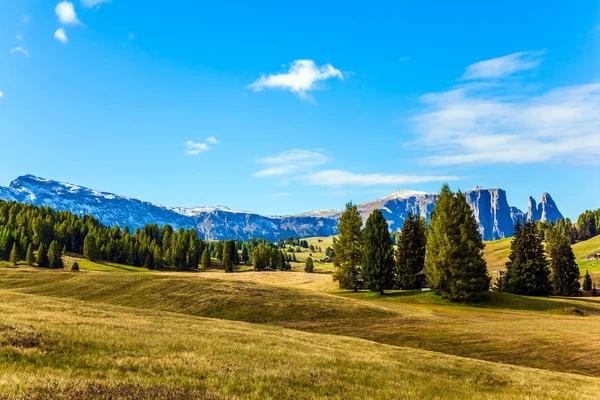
(490, 208)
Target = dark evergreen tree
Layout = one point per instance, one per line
(75, 266)
(42, 256)
(565, 271)
(455, 267)
(587, 281)
(205, 259)
(309, 266)
(410, 251)
(348, 249)
(219, 251)
(378, 254)
(245, 255)
(227, 261)
(149, 261)
(527, 271)
(30, 258)
(89, 247)
(55, 255)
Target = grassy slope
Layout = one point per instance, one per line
(63, 348)
(510, 329)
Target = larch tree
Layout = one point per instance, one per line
(309, 266)
(348, 249)
(55, 255)
(410, 251)
(42, 256)
(205, 261)
(14, 255)
(587, 281)
(89, 247)
(378, 254)
(30, 257)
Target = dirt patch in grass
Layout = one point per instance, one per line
(20, 337)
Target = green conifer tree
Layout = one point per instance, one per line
(55, 255)
(42, 256)
(348, 249)
(527, 271)
(14, 255)
(205, 261)
(565, 271)
(410, 252)
(587, 281)
(30, 258)
(378, 254)
(309, 266)
(245, 255)
(89, 247)
(227, 261)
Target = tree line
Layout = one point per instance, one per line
(448, 254)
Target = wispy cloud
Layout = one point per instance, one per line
(1, 94)
(508, 123)
(303, 166)
(291, 162)
(66, 13)
(25, 19)
(60, 35)
(337, 178)
(193, 148)
(19, 37)
(503, 66)
(302, 77)
(20, 50)
(93, 3)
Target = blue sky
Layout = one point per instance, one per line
(280, 108)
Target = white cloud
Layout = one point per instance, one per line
(194, 148)
(302, 77)
(66, 13)
(93, 3)
(20, 37)
(1, 94)
(337, 178)
(60, 35)
(291, 162)
(26, 19)
(508, 123)
(20, 50)
(212, 140)
(503, 66)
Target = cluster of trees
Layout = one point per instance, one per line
(586, 227)
(265, 256)
(530, 272)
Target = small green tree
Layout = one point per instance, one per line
(205, 261)
(245, 255)
(527, 271)
(55, 256)
(410, 251)
(309, 266)
(42, 256)
(30, 257)
(348, 249)
(565, 271)
(219, 251)
(227, 261)
(75, 266)
(587, 281)
(378, 254)
(14, 255)
(89, 247)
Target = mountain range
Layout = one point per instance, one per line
(490, 208)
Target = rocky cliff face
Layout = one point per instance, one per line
(490, 208)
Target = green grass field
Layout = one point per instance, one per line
(111, 331)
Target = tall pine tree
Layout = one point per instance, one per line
(587, 281)
(227, 261)
(30, 258)
(205, 261)
(348, 249)
(378, 254)
(410, 251)
(527, 271)
(55, 255)
(14, 255)
(42, 256)
(455, 267)
(565, 271)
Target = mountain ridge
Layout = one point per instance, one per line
(490, 207)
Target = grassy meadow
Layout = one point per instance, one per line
(112, 331)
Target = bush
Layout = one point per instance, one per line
(309, 266)
(75, 266)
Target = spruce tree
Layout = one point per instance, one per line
(527, 271)
(378, 254)
(455, 267)
(348, 249)
(227, 261)
(14, 255)
(149, 261)
(42, 256)
(30, 258)
(75, 266)
(587, 281)
(55, 256)
(565, 271)
(89, 247)
(205, 261)
(245, 255)
(219, 251)
(309, 266)
(410, 251)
